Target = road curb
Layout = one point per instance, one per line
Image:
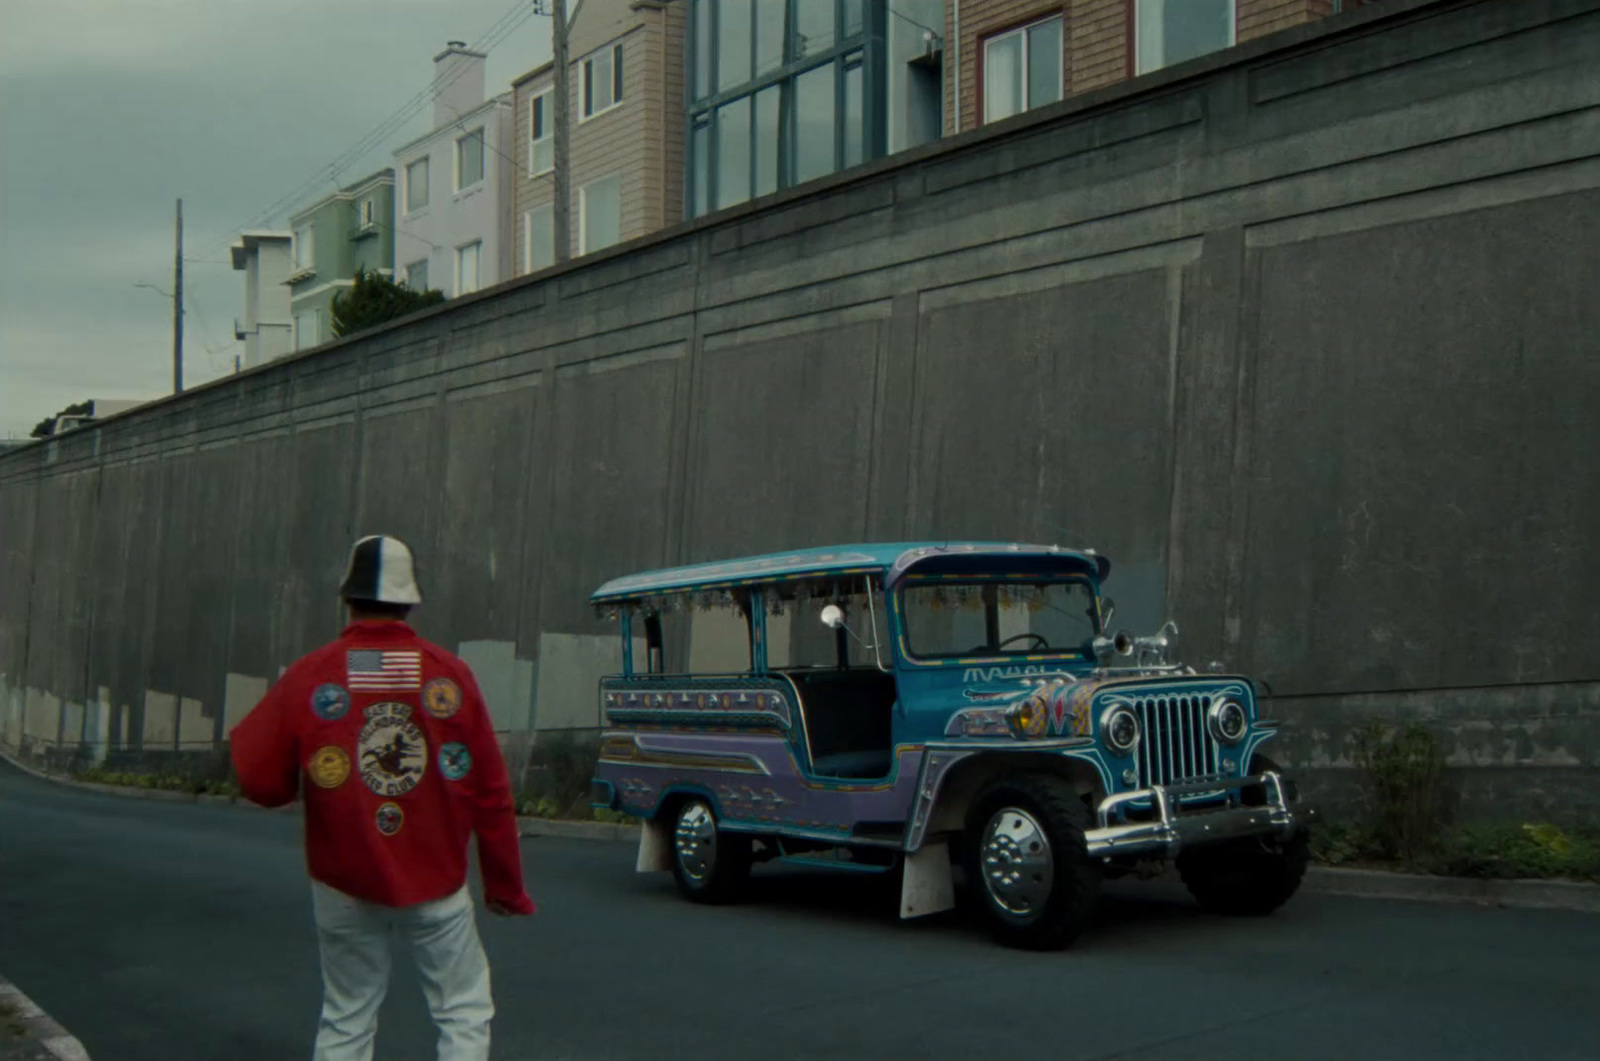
(38, 1026)
(576, 830)
(160, 795)
(1325, 880)
(1525, 894)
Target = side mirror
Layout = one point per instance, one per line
(833, 617)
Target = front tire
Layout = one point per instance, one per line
(1028, 861)
(710, 866)
(1246, 877)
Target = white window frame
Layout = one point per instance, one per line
(309, 243)
(478, 243)
(369, 213)
(483, 145)
(527, 236)
(545, 96)
(583, 212)
(1027, 64)
(314, 319)
(1140, 7)
(412, 265)
(618, 83)
(426, 168)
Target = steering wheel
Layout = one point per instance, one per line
(1041, 642)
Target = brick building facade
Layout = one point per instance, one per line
(1038, 51)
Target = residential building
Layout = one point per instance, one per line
(1004, 57)
(784, 91)
(329, 241)
(625, 131)
(84, 412)
(453, 217)
(267, 325)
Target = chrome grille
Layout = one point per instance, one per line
(1176, 745)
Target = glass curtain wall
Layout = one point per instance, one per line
(781, 91)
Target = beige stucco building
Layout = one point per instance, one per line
(625, 99)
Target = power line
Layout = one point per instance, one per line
(384, 128)
(497, 33)
(901, 15)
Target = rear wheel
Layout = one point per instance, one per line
(1028, 861)
(709, 865)
(1246, 877)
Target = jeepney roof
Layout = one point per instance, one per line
(889, 561)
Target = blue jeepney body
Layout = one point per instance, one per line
(875, 750)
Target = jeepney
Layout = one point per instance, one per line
(923, 708)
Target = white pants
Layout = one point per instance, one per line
(354, 937)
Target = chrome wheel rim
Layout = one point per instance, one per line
(696, 841)
(1018, 867)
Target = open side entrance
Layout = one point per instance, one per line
(846, 698)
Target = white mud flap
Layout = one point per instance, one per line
(655, 848)
(927, 886)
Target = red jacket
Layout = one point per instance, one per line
(400, 765)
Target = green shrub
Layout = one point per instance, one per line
(556, 781)
(1509, 850)
(1404, 767)
(1341, 843)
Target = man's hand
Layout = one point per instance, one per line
(502, 910)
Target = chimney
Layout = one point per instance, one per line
(458, 74)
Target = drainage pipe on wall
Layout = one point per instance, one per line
(955, 61)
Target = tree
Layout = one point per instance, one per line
(375, 299)
(47, 427)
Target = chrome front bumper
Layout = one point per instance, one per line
(1174, 828)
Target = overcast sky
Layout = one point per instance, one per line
(112, 109)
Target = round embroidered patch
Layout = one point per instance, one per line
(454, 760)
(442, 698)
(390, 817)
(394, 753)
(329, 766)
(330, 702)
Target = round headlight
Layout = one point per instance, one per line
(1120, 729)
(1228, 722)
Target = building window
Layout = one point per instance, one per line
(369, 213)
(416, 185)
(600, 214)
(1173, 31)
(305, 329)
(539, 238)
(1022, 69)
(733, 152)
(734, 37)
(469, 159)
(417, 275)
(468, 259)
(700, 166)
(602, 80)
(783, 92)
(541, 146)
(305, 247)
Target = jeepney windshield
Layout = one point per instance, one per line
(951, 618)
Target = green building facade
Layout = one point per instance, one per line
(332, 238)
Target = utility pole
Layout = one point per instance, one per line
(561, 214)
(177, 307)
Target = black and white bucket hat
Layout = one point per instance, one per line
(381, 570)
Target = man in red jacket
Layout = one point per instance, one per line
(400, 768)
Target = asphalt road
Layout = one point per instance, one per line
(162, 930)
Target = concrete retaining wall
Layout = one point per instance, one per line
(1303, 335)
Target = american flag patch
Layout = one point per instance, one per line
(383, 670)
